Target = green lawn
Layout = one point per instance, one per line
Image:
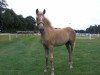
(25, 56)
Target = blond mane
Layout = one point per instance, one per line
(47, 23)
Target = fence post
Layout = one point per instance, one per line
(16, 35)
(98, 34)
(9, 37)
(90, 36)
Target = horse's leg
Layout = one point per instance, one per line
(71, 55)
(46, 58)
(70, 51)
(52, 59)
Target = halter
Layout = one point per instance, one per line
(40, 23)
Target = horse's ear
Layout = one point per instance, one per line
(37, 11)
(44, 11)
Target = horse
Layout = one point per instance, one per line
(52, 37)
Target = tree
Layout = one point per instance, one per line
(93, 29)
(3, 6)
(30, 23)
(99, 29)
(8, 20)
(13, 22)
(3, 3)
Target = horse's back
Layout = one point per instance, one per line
(66, 32)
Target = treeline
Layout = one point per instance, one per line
(11, 22)
(92, 29)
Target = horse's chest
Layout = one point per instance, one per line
(46, 42)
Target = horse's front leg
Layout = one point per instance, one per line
(46, 58)
(52, 59)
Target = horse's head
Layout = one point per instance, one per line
(40, 20)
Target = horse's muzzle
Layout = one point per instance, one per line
(41, 27)
(41, 30)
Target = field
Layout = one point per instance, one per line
(25, 56)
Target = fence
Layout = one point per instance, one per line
(87, 36)
(10, 36)
(18, 34)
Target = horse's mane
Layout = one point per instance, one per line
(47, 23)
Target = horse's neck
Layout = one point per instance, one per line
(48, 32)
(48, 29)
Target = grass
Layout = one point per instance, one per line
(25, 56)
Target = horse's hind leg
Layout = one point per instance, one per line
(70, 47)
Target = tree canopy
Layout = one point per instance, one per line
(11, 22)
(92, 29)
(3, 5)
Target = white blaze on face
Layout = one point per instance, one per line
(41, 18)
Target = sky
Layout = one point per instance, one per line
(78, 14)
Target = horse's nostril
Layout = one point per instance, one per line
(41, 30)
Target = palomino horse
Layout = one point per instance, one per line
(52, 37)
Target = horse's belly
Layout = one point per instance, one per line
(57, 40)
(61, 39)
(60, 42)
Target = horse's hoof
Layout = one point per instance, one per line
(71, 67)
(45, 70)
(52, 73)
